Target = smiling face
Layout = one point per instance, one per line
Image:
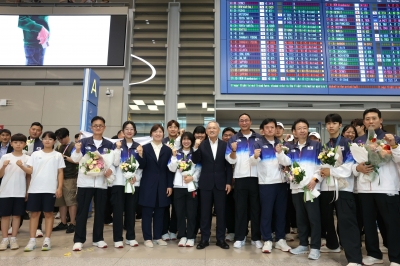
(35, 132)
(157, 135)
(301, 131)
(244, 123)
(129, 131)
(212, 130)
(350, 134)
(173, 131)
(186, 143)
(98, 127)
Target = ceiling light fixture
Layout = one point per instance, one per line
(181, 105)
(204, 105)
(159, 102)
(210, 109)
(152, 107)
(134, 107)
(139, 102)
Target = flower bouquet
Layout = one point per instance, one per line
(28, 149)
(170, 143)
(185, 165)
(332, 157)
(298, 177)
(128, 169)
(95, 164)
(374, 152)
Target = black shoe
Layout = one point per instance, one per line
(203, 245)
(70, 229)
(25, 216)
(222, 244)
(68, 218)
(60, 227)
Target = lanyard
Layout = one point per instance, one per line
(66, 148)
(337, 141)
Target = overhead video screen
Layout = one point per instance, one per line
(310, 47)
(54, 40)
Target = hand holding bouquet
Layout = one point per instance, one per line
(330, 157)
(186, 166)
(128, 169)
(298, 177)
(171, 143)
(28, 149)
(95, 164)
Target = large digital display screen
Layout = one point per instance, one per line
(310, 47)
(62, 40)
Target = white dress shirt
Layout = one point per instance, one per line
(157, 148)
(214, 147)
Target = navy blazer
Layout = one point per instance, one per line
(216, 172)
(156, 177)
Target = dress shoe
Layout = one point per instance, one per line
(222, 244)
(202, 245)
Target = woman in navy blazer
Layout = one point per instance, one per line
(155, 186)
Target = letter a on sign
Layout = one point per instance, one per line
(94, 88)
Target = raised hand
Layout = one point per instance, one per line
(257, 153)
(19, 163)
(278, 148)
(234, 146)
(389, 138)
(181, 131)
(197, 143)
(174, 152)
(118, 144)
(78, 147)
(139, 149)
(6, 162)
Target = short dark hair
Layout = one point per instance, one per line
(5, 131)
(189, 136)
(357, 122)
(19, 137)
(333, 118)
(62, 133)
(49, 134)
(243, 115)
(37, 124)
(266, 121)
(77, 135)
(156, 127)
(98, 118)
(119, 131)
(347, 127)
(228, 129)
(199, 130)
(114, 137)
(300, 120)
(372, 110)
(129, 123)
(172, 122)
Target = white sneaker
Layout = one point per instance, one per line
(257, 243)
(394, 264)
(314, 254)
(10, 231)
(281, 244)
(58, 216)
(148, 243)
(100, 244)
(267, 248)
(299, 250)
(239, 244)
(77, 246)
(182, 242)
(384, 250)
(368, 260)
(5, 243)
(132, 243)
(289, 237)
(119, 244)
(354, 264)
(39, 233)
(165, 237)
(323, 242)
(46, 245)
(172, 236)
(161, 242)
(230, 237)
(325, 249)
(31, 246)
(13, 244)
(190, 243)
(294, 230)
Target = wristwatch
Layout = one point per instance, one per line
(315, 180)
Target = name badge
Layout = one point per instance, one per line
(310, 148)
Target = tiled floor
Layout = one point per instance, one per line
(61, 253)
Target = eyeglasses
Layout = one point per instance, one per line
(97, 126)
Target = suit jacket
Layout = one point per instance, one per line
(216, 172)
(156, 177)
(9, 148)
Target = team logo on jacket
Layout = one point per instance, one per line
(88, 148)
(293, 150)
(265, 146)
(136, 151)
(310, 148)
(238, 140)
(38, 148)
(105, 150)
(256, 139)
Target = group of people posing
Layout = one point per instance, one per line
(245, 177)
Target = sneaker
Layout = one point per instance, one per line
(39, 233)
(5, 243)
(100, 244)
(281, 244)
(132, 243)
(46, 245)
(257, 243)
(384, 250)
(267, 248)
(31, 246)
(230, 237)
(323, 242)
(172, 236)
(182, 242)
(77, 246)
(9, 231)
(394, 264)
(119, 244)
(239, 244)
(165, 237)
(26, 216)
(368, 260)
(161, 242)
(354, 264)
(314, 254)
(60, 227)
(289, 237)
(299, 250)
(148, 243)
(325, 249)
(294, 230)
(58, 216)
(13, 244)
(70, 229)
(190, 243)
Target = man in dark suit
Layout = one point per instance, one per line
(5, 146)
(215, 183)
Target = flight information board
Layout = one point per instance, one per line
(310, 47)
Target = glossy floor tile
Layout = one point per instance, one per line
(61, 253)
